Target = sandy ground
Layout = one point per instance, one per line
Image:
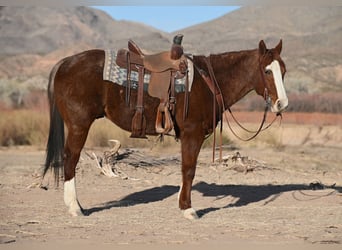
(291, 195)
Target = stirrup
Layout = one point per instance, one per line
(164, 123)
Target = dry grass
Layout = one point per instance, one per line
(28, 123)
(31, 126)
(23, 127)
(103, 130)
(298, 102)
(319, 119)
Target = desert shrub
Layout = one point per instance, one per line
(23, 127)
(323, 103)
(303, 102)
(36, 99)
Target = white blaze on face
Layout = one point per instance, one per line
(282, 102)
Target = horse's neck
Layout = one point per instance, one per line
(235, 73)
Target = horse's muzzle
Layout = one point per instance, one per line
(280, 105)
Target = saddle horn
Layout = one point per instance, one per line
(177, 48)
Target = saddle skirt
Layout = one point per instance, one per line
(114, 73)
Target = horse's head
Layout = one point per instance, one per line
(272, 69)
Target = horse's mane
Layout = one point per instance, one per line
(233, 55)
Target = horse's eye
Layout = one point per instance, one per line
(268, 71)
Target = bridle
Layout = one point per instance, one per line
(261, 128)
(214, 87)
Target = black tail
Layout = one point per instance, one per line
(55, 144)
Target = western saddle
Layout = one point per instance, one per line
(163, 67)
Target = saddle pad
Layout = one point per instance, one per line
(113, 73)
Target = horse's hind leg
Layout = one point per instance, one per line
(73, 146)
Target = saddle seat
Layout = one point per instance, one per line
(153, 62)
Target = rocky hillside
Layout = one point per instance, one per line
(41, 30)
(311, 36)
(32, 39)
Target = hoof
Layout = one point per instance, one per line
(75, 213)
(76, 210)
(190, 214)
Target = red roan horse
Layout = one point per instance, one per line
(78, 95)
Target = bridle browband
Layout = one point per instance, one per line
(214, 87)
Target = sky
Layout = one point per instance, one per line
(167, 18)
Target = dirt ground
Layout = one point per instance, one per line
(284, 194)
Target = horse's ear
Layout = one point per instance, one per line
(279, 46)
(262, 47)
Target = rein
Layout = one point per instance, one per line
(260, 129)
(214, 87)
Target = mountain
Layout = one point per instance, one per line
(244, 28)
(40, 30)
(311, 37)
(33, 39)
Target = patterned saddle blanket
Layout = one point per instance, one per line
(112, 72)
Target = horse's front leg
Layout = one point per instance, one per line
(191, 145)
